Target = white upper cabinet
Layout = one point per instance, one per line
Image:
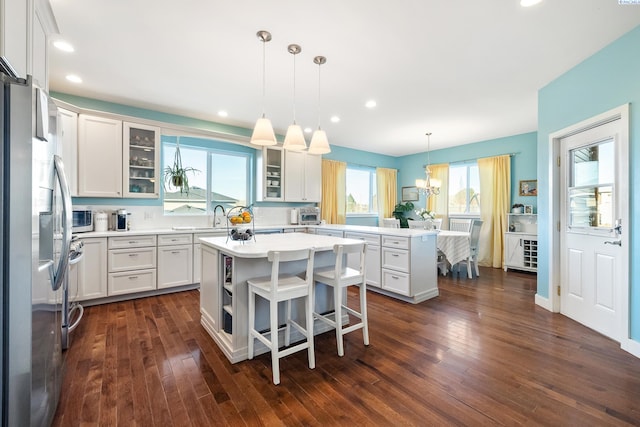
(68, 146)
(302, 177)
(270, 185)
(141, 160)
(99, 157)
(14, 36)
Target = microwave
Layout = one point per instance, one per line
(309, 216)
(82, 221)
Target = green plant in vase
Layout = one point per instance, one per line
(176, 174)
(399, 212)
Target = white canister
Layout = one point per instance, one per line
(102, 221)
(294, 216)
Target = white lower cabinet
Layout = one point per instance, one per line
(132, 264)
(88, 278)
(395, 264)
(175, 261)
(372, 259)
(521, 251)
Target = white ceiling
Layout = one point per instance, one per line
(465, 70)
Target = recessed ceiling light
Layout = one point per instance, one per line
(222, 113)
(308, 130)
(529, 3)
(371, 104)
(335, 119)
(63, 46)
(74, 79)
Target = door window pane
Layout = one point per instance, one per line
(591, 186)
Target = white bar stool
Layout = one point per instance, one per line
(341, 277)
(283, 288)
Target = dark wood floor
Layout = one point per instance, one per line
(480, 354)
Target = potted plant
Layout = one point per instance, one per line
(399, 213)
(176, 175)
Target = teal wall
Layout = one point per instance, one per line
(606, 80)
(523, 163)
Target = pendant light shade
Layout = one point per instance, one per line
(263, 131)
(319, 143)
(294, 139)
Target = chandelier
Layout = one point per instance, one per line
(429, 186)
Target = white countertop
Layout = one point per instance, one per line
(264, 243)
(405, 232)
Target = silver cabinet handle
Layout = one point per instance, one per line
(132, 255)
(614, 242)
(133, 277)
(395, 255)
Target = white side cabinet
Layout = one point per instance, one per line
(99, 156)
(88, 278)
(302, 177)
(132, 264)
(175, 260)
(521, 251)
(68, 146)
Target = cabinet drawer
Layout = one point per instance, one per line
(395, 242)
(371, 239)
(132, 281)
(175, 239)
(395, 281)
(395, 259)
(131, 241)
(131, 259)
(334, 233)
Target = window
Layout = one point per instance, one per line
(361, 190)
(464, 189)
(223, 178)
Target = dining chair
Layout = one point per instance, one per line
(340, 277)
(419, 224)
(391, 222)
(460, 224)
(283, 287)
(437, 223)
(476, 225)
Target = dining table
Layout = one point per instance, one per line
(455, 245)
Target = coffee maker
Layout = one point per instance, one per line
(119, 219)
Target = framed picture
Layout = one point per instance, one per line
(529, 188)
(410, 194)
(528, 209)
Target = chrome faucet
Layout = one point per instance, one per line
(215, 210)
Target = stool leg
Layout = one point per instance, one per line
(337, 302)
(363, 314)
(252, 317)
(275, 357)
(287, 330)
(309, 327)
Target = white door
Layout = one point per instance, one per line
(594, 228)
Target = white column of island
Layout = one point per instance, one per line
(228, 264)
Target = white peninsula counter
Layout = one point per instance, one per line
(400, 264)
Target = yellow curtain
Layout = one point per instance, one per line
(387, 187)
(333, 208)
(440, 203)
(495, 194)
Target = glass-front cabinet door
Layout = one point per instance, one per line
(141, 160)
(270, 168)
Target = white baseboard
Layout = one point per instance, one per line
(543, 302)
(631, 346)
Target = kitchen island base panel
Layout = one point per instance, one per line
(416, 299)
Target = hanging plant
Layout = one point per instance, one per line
(176, 175)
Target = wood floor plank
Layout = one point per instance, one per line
(482, 353)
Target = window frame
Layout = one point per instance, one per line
(467, 164)
(372, 185)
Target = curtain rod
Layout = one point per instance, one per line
(486, 157)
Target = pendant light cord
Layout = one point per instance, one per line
(319, 96)
(294, 88)
(264, 78)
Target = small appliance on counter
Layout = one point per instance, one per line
(309, 216)
(294, 216)
(82, 220)
(120, 220)
(101, 221)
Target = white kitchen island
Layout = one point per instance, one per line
(226, 267)
(407, 265)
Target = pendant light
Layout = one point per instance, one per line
(319, 143)
(294, 139)
(263, 131)
(428, 187)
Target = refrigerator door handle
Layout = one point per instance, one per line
(48, 265)
(63, 263)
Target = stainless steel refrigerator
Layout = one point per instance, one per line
(35, 234)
